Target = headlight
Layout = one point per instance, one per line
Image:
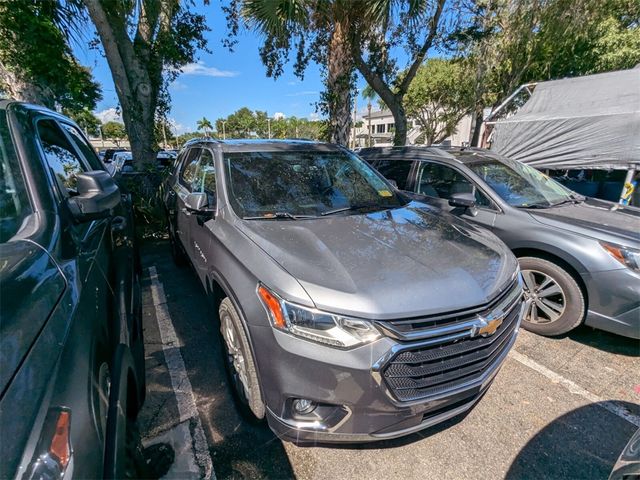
(322, 327)
(627, 256)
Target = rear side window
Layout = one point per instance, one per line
(14, 203)
(60, 156)
(397, 170)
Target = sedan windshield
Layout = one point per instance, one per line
(302, 184)
(521, 185)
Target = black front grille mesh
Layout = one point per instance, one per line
(419, 372)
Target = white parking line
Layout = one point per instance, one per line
(610, 405)
(180, 382)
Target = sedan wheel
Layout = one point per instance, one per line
(553, 299)
(545, 299)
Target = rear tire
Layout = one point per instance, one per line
(239, 363)
(554, 301)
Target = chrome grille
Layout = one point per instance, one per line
(451, 354)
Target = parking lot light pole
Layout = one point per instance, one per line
(269, 126)
(224, 133)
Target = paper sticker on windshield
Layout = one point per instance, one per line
(385, 193)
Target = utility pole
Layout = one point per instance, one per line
(269, 124)
(369, 114)
(164, 136)
(224, 133)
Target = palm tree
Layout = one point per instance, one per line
(329, 20)
(204, 124)
(369, 94)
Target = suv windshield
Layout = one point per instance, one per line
(303, 183)
(521, 185)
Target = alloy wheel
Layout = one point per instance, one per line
(235, 357)
(545, 300)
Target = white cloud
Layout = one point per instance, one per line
(278, 115)
(199, 68)
(300, 94)
(178, 86)
(314, 116)
(109, 115)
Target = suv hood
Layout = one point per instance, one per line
(594, 218)
(394, 263)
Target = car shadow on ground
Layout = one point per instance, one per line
(609, 342)
(238, 448)
(584, 443)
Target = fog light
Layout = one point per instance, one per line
(303, 406)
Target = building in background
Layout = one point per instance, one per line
(383, 129)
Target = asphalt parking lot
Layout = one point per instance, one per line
(559, 408)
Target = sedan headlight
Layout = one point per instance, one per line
(322, 327)
(629, 257)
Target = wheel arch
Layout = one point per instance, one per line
(561, 262)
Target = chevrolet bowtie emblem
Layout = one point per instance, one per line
(486, 328)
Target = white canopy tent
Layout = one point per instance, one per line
(590, 122)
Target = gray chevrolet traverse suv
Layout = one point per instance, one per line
(348, 311)
(580, 257)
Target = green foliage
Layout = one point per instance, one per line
(86, 120)
(36, 62)
(245, 123)
(114, 131)
(439, 96)
(204, 124)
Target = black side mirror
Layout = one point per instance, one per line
(464, 201)
(97, 196)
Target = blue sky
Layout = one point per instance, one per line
(221, 82)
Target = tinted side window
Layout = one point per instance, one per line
(439, 181)
(85, 148)
(397, 170)
(188, 171)
(60, 156)
(14, 204)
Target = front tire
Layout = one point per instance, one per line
(554, 301)
(239, 363)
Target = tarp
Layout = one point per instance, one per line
(590, 122)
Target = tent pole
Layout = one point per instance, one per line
(624, 197)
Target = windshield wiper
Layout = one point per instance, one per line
(278, 216)
(534, 205)
(572, 199)
(352, 207)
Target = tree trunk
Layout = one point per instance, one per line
(478, 119)
(134, 86)
(22, 90)
(338, 94)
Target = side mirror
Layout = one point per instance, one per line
(464, 201)
(97, 196)
(393, 182)
(198, 204)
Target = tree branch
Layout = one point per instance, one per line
(433, 30)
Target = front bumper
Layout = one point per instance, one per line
(614, 301)
(355, 401)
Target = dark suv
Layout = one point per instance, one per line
(71, 348)
(580, 257)
(349, 312)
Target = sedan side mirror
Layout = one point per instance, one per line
(97, 196)
(464, 201)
